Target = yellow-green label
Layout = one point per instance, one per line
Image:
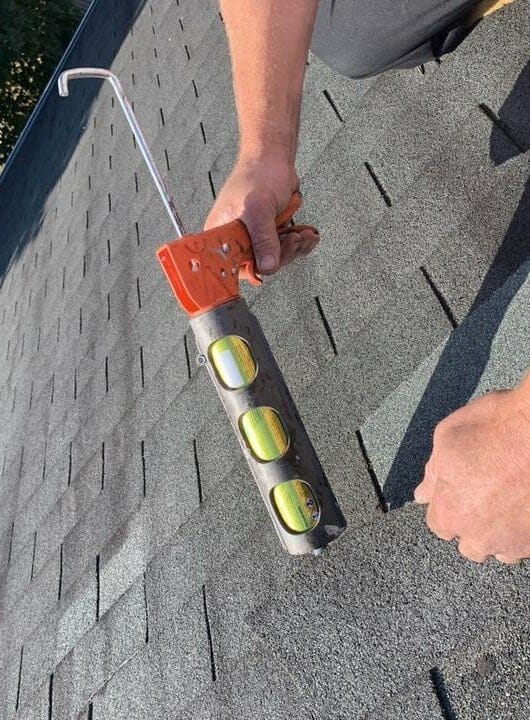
(264, 433)
(296, 505)
(233, 362)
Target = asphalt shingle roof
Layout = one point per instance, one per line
(139, 573)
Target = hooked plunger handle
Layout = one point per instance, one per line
(102, 74)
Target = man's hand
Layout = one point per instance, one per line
(269, 42)
(258, 190)
(477, 481)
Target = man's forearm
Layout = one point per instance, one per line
(269, 41)
(523, 393)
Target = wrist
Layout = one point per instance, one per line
(268, 144)
(523, 395)
(269, 155)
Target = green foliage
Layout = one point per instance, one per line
(33, 36)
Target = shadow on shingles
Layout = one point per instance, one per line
(467, 352)
(54, 136)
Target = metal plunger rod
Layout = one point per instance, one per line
(103, 74)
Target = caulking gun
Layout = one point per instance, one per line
(204, 270)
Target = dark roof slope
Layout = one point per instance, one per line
(139, 574)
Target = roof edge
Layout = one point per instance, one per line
(51, 82)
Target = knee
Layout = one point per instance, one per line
(339, 42)
(346, 62)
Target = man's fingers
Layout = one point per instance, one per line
(508, 559)
(265, 243)
(310, 236)
(472, 551)
(296, 244)
(438, 524)
(305, 240)
(290, 244)
(309, 242)
(424, 492)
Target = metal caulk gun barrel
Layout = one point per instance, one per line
(204, 271)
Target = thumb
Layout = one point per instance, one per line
(260, 223)
(425, 490)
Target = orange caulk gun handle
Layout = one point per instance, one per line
(204, 269)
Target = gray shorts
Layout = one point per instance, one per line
(360, 38)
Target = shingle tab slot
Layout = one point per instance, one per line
(379, 184)
(17, 702)
(333, 106)
(10, 538)
(441, 693)
(212, 188)
(371, 472)
(187, 353)
(209, 634)
(146, 611)
(144, 478)
(326, 326)
(60, 572)
(102, 465)
(443, 302)
(33, 555)
(142, 366)
(50, 698)
(520, 144)
(197, 470)
(138, 293)
(98, 588)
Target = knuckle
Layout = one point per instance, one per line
(470, 556)
(438, 522)
(472, 551)
(256, 206)
(508, 559)
(264, 244)
(432, 519)
(428, 473)
(441, 430)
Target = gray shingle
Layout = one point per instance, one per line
(490, 345)
(362, 650)
(490, 676)
(53, 639)
(9, 688)
(106, 514)
(419, 702)
(136, 690)
(118, 635)
(358, 632)
(376, 360)
(171, 496)
(477, 260)
(180, 635)
(37, 707)
(31, 466)
(19, 573)
(19, 620)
